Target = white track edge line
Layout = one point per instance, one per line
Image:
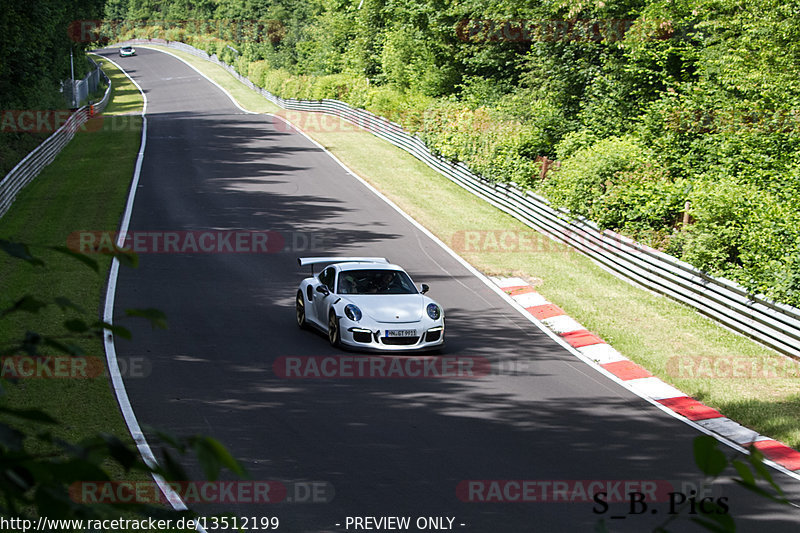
(217, 85)
(108, 315)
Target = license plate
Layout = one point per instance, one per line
(401, 333)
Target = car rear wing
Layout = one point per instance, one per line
(303, 261)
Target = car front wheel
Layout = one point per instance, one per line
(300, 310)
(334, 335)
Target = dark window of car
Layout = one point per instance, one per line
(326, 277)
(375, 281)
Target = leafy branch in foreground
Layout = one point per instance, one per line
(752, 471)
(42, 473)
(73, 328)
(712, 462)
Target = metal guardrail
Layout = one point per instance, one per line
(26, 170)
(773, 324)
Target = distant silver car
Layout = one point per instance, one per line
(127, 51)
(367, 302)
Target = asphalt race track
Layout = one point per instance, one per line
(374, 447)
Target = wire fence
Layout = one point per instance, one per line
(26, 170)
(773, 324)
(78, 91)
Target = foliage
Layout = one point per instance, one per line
(37, 38)
(648, 104)
(591, 172)
(751, 474)
(39, 466)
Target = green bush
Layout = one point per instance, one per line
(490, 140)
(722, 211)
(770, 250)
(590, 172)
(573, 141)
(274, 81)
(643, 203)
(256, 70)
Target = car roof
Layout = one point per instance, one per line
(366, 266)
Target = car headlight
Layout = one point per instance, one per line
(434, 311)
(352, 312)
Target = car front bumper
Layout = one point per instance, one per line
(428, 336)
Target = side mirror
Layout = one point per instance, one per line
(425, 288)
(323, 289)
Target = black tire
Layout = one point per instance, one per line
(300, 310)
(334, 335)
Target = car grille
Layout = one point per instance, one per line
(399, 341)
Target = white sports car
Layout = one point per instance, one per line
(366, 302)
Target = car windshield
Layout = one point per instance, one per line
(375, 281)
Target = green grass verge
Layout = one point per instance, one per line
(675, 343)
(85, 188)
